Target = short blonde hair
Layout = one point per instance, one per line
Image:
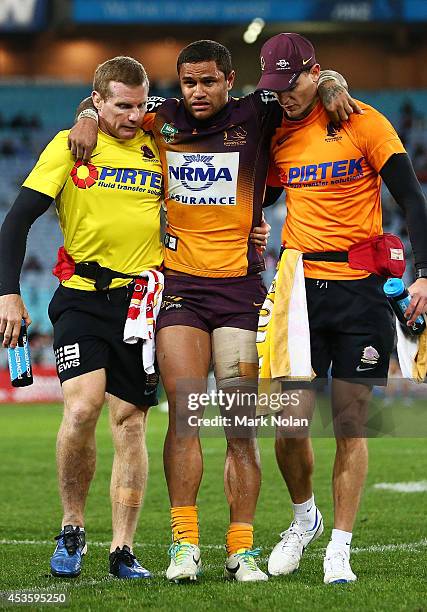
(126, 70)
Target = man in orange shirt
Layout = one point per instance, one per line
(332, 177)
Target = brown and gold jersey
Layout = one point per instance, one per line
(214, 180)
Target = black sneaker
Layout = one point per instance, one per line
(123, 564)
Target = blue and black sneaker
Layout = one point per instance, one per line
(123, 564)
(66, 561)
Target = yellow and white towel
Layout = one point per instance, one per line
(412, 353)
(283, 338)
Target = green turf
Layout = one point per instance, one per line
(30, 510)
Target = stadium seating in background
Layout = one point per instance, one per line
(33, 113)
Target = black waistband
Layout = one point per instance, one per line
(102, 276)
(323, 255)
(326, 256)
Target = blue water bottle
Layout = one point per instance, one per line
(399, 299)
(21, 374)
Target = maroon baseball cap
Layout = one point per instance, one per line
(283, 58)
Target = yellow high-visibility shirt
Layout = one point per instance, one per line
(109, 209)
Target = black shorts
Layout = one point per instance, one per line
(88, 335)
(352, 327)
(210, 303)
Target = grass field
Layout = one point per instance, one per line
(390, 542)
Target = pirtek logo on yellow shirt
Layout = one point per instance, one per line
(86, 175)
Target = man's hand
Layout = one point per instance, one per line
(259, 236)
(82, 139)
(337, 101)
(418, 303)
(12, 311)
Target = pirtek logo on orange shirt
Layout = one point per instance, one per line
(325, 170)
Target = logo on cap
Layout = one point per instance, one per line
(262, 63)
(282, 64)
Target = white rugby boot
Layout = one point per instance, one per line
(242, 567)
(185, 562)
(286, 555)
(336, 566)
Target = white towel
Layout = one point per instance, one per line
(412, 354)
(143, 310)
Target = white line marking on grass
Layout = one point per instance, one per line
(43, 542)
(102, 544)
(391, 547)
(60, 585)
(411, 546)
(403, 487)
(377, 548)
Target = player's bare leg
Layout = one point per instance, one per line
(236, 372)
(350, 408)
(183, 353)
(130, 469)
(242, 479)
(295, 456)
(296, 462)
(76, 459)
(128, 482)
(76, 449)
(295, 459)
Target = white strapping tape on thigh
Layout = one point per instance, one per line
(234, 354)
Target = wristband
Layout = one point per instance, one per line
(88, 113)
(421, 273)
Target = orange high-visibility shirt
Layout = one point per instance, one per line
(332, 183)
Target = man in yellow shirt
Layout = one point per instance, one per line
(109, 214)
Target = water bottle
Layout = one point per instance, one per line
(399, 299)
(21, 374)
